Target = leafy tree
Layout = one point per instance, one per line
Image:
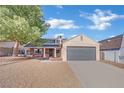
(21, 24)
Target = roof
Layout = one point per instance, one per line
(47, 44)
(7, 44)
(83, 40)
(113, 43)
(43, 46)
(29, 45)
(73, 37)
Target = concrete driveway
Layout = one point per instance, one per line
(96, 74)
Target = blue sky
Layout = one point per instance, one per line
(96, 22)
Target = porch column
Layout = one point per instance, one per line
(44, 52)
(25, 52)
(54, 52)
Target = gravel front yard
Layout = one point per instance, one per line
(33, 73)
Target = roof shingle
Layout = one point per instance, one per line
(113, 43)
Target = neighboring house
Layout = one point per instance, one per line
(76, 48)
(6, 48)
(112, 49)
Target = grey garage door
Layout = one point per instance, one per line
(81, 53)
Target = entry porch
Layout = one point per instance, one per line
(43, 52)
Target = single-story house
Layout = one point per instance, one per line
(77, 48)
(112, 49)
(6, 48)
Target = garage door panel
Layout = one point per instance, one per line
(82, 53)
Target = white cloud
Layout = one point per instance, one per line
(59, 6)
(73, 36)
(100, 26)
(101, 19)
(62, 24)
(112, 36)
(56, 35)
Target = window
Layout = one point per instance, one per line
(51, 41)
(38, 51)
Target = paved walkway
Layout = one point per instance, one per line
(34, 73)
(97, 74)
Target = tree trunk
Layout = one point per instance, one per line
(16, 49)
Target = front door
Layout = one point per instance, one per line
(51, 52)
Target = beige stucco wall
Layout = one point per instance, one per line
(80, 41)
